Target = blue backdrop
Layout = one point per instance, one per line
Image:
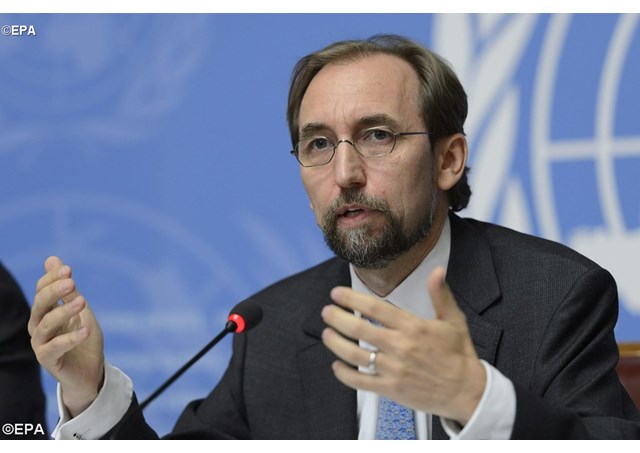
(151, 153)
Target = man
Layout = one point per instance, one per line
(517, 343)
(22, 401)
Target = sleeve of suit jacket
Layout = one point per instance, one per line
(543, 315)
(575, 391)
(22, 399)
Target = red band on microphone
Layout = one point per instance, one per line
(239, 320)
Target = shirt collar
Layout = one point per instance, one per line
(412, 294)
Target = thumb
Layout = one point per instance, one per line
(442, 298)
(51, 263)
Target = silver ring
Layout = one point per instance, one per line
(372, 362)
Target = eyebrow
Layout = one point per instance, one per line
(380, 119)
(311, 129)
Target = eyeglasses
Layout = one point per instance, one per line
(373, 142)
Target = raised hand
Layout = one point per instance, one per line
(66, 337)
(428, 365)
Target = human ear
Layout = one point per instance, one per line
(451, 160)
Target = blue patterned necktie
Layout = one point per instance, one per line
(395, 422)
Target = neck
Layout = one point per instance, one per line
(383, 281)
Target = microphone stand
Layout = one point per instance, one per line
(244, 316)
(230, 327)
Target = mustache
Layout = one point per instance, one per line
(354, 196)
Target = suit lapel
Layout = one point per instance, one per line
(331, 406)
(473, 281)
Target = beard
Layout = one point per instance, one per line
(365, 248)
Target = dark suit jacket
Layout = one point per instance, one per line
(539, 312)
(21, 397)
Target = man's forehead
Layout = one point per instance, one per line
(378, 86)
(373, 68)
(379, 119)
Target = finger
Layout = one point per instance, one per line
(350, 325)
(51, 352)
(444, 303)
(47, 299)
(55, 319)
(344, 349)
(370, 307)
(52, 262)
(354, 379)
(60, 289)
(53, 272)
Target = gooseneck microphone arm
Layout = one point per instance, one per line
(230, 327)
(243, 316)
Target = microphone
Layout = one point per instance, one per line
(243, 317)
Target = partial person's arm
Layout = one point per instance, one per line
(22, 400)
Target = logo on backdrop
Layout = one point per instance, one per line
(102, 79)
(574, 134)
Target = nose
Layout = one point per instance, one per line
(348, 166)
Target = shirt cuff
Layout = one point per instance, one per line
(104, 413)
(495, 415)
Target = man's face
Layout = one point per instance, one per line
(370, 210)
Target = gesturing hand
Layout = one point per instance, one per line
(428, 365)
(66, 337)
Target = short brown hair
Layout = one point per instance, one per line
(443, 99)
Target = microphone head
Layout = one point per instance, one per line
(244, 316)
